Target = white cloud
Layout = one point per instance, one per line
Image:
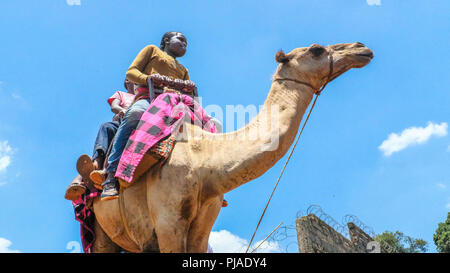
(13, 98)
(441, 186)
(4, 147)
(73, 2)
(4, 246)
(5, 155)
(16, 96)
(412, 136)
(224, 241)
(447, 206)
(266, 247)
(373, 2)
(4, 162)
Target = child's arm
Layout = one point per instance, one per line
(117, 109)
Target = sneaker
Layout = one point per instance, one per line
(110, 189)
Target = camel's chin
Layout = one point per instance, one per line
(362, 61)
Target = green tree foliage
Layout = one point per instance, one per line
(398, 242)
(441, 237)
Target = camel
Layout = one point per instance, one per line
(172, 209)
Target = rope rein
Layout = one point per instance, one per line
(262, 242)
(317, 93)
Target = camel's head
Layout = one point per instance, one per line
(313, 64)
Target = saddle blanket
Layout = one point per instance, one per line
(85, 215)
(162, 117)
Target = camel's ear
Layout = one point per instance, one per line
(281, 57)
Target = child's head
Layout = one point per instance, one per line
(174, 44)
(129, 86)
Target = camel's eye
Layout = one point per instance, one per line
(317, 50)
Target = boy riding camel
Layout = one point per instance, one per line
(151, 60)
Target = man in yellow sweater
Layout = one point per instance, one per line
(149, 61)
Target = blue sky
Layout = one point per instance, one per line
(60, 62)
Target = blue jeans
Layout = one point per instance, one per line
(129, 122)
(104, 137)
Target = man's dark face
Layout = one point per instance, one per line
(176, 46)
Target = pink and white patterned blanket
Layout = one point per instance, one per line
(160, 119)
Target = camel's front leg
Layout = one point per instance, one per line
(172, 202)
(172, 219)
(202, 224)
(171, 232)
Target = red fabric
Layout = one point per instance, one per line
(126, 99)
(141, 93)
(86, 217)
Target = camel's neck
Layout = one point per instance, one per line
(247, 153)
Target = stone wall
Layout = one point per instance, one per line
(315, 236)
(359, 238)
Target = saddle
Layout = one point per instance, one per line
(156, 155)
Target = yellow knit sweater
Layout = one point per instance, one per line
(153, 60)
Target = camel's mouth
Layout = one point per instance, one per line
(366, 55)
(362, 58)
(358, 57)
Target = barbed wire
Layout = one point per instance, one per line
(317, 211)
(289, 231)
(284, 234)
(349, 218)
(299, 214)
